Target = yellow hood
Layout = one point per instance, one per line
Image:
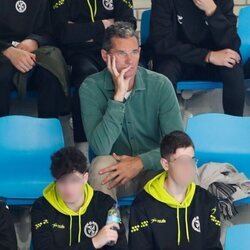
(155, 188)
(51, 195)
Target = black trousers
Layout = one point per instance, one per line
(83, 65)
(232, 78)
(50, 94)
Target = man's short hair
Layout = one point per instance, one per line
(66, 161)
(173, 141)
(120, 30)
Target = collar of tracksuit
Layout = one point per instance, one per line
(155, 188)
(52, 196)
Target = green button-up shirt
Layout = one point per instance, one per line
(134, 127)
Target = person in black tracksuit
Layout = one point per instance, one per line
(25, 26)
(172, 212)
(197, 40)
(79, 26)
(71, 215)
(8, 239)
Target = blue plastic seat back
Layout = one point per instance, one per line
(198, 85)
(222, 138)
(26, 146)
(145, 26)
(244, 32)
(238, 237)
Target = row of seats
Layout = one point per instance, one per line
(243, 31)
(27, 143)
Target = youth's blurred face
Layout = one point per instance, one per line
(70, 186)
(181, 166)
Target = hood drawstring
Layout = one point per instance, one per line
(70, 231)
(92, 13)
(80, 228)
(79, 231)
(186, 222)
(178, 225)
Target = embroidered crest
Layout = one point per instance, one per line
(91, 229)
(180, 19)
(196, 224)
(108, 4)
(21, 6)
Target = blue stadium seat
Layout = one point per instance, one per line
(198, 85)
(222, 138)
(244, 32)
(238, 237)
(25, 148)
(145, 24)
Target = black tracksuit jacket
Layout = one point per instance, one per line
(8, 239)
(179, 29)
(74, 28)
(33, 22)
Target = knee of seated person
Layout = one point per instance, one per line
(6, 69)
(236, 67)
(101, 162)
(50, 79)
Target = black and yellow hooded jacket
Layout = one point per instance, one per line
(56, 227)
(8, 239)
(78, 23)
(159, 222)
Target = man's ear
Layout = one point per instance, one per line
(86, 177)
(104, 54)
(164, 164)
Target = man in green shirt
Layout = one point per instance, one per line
(126, 111)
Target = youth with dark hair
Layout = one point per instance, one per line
(71, 215)
(172, 213)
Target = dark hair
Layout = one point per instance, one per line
(67, 160)
(173, 141)
(118, 29)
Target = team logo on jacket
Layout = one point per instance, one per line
(196, 224)
(180, 19)
(21, 6)
(91, 229)
(108, 4)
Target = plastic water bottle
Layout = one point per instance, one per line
(114, 216)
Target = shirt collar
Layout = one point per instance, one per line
(139, 82)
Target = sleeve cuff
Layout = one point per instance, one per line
(116, 106)
(216, 13)
(151, 160)
(87, 244)
(41, 40)
(4, 46)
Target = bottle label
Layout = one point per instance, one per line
(112, 219)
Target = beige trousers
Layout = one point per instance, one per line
(132, 187)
